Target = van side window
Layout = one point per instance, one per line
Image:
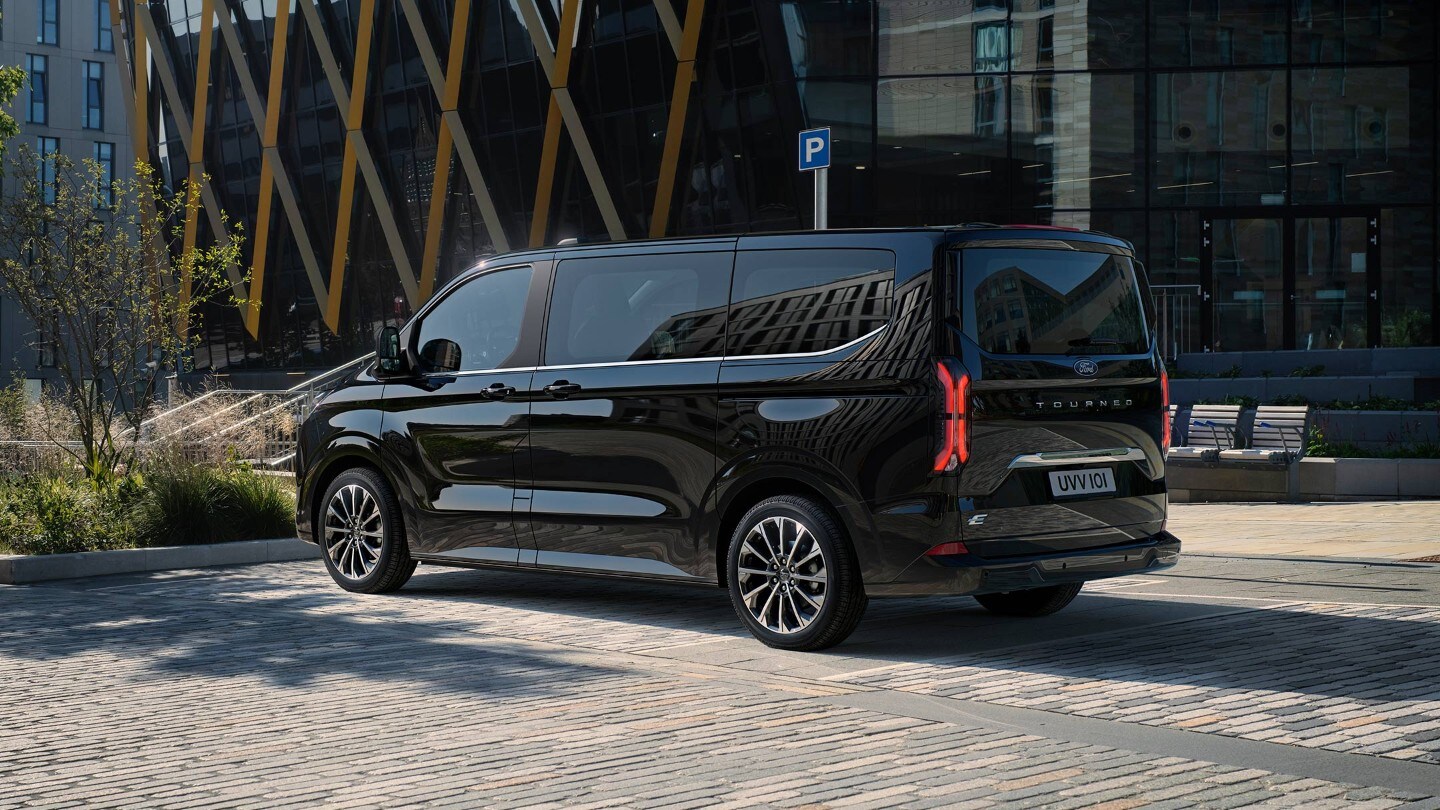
(799, 301)
(626, 308)
(482, 317)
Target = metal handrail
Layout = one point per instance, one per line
(309, 384)
(272, 409)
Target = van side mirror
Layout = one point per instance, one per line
(387, 351)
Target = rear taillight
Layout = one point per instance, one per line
(954, 421)
(947, 550)
(1164, 410)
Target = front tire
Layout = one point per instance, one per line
(362, 535)
(1031, 603)
(792, 576)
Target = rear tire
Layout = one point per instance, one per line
(792, 575)
(1032, 602)
(361, 534)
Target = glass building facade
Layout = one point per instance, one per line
(1274, 161)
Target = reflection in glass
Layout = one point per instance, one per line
(1220, 138)
(1078, 34)
(482, 316)
(1246, 263)
(795, 301)
(1330, 282)
(1051, 302)
(1364, 134)
(939, 36)
(1350, 31)
(934, 160)
(1407, 277)
(1174, 273)
(652, 307)
(1199, 33)
(1079, 140)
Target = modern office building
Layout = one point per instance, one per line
(1273, 160)
(73, 102)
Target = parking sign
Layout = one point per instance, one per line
(815, 149)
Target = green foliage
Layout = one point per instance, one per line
(1375, 403)
(175, 504)
(1308, 371)
(1319, 447)
(12, 408)
(55, 515)
(185, 504)
(12, 79)
(256, 506)
(101, 266)
(1405, 327)
(178, 505)
(1231, 373)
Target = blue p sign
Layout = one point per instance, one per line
(815, 149)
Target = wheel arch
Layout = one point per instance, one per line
(343, 453)
(741, 497)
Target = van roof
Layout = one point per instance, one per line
(961, 232)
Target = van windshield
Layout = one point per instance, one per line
(1036, 301)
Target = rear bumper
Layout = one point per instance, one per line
(967, 574)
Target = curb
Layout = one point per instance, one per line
(20, 570)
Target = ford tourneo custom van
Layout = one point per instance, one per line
(807, 420)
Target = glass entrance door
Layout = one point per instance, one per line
(1332, 282)
(1245, 280)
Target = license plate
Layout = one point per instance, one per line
(1082, 482)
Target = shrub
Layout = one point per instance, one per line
(178, 503)
(254, 506)
(56, 515)
(185, 504)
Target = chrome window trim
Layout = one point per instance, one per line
(715, 359)
(1065, 457)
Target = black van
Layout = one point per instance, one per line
(807, 419)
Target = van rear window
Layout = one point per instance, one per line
(1028, 301)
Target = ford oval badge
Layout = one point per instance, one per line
(1086, 367)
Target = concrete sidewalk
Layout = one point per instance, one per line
(1400, 530)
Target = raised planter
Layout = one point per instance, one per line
(1313, 479)
(18, 570)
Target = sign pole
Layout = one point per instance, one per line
(815, 158)
(822, 199)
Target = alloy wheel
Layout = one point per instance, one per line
(354, 532)
(782, 575)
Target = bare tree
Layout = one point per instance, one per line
(101, 270)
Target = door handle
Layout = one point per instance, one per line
(498, 391)
(561, 389)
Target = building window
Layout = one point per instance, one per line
(46, 149)
(1045, 42)
(105, 181)
(104, 36)
(49, 33)
(94, 114)
(1044, 106)
(39, 69)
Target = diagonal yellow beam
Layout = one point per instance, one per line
(197, 148)
(354, 119)
(563, 113)
(268, 139)
(234, 49)
(445, 148)
(549, 156)
(679, 109)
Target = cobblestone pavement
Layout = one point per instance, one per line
(1394, 530)
(1224, 682)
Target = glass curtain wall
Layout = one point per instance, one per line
(1285, 125)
